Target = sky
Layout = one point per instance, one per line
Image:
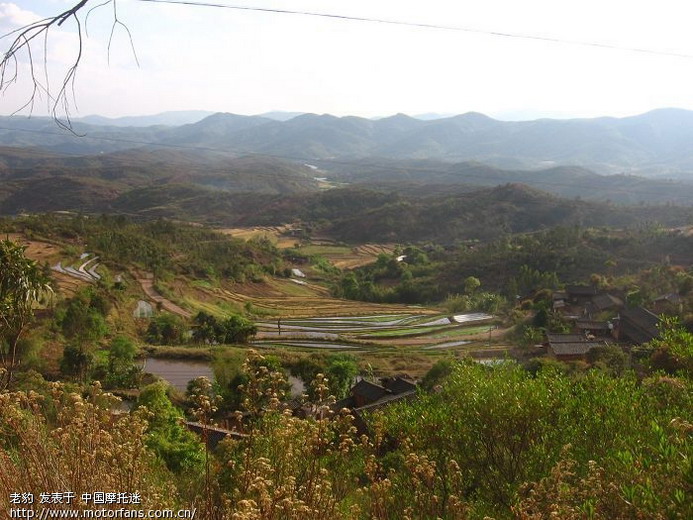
(248, 62)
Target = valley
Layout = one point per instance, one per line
(260, 298)
(282, 295)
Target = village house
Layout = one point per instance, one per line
(580, 294)
(636, 326)
(570, 347)
(594, 329)
(367, 397)
(669, 303)
(584, 305)
(601, 303)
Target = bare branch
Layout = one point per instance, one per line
(86, 19)
(117, 22)
(26, 37)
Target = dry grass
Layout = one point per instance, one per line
(65, 442)
(47, 252)
(276, 234)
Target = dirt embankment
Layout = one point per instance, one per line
(146, 281)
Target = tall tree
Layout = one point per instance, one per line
(22, 285)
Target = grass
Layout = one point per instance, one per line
(202, 284)
(412, 331)
(189, 352)
(461, 331)
(292, 289)
(325, 250)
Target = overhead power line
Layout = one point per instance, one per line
(501, 34)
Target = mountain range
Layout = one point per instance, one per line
(658, 143)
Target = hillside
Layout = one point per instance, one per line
(418, 201)
(357, 214)
(35, 182)
(489, 213)
(655, 143)
(565, 181)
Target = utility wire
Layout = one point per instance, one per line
(471, 30)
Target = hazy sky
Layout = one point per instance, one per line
(252, 62)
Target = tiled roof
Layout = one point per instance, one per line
(388, 399)
(566, 338)
(581, 290)
(573, 349)
(398, 385)
(606, 301)
(368, 391)
(592, 325)
(639, 324)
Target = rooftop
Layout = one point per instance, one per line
(574, 349)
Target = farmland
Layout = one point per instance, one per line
(293, 315)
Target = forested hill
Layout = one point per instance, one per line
(32, 181)
(654, 143)
(360, 214)
(566, 181)
(490, 212)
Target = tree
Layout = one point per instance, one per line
(76, 361)
(341, 371)
(235, 329)
(122, 370)
(22, 285)
(471, 284)
(82, 321)
(673, 349)
(165, 329)
(167, 437)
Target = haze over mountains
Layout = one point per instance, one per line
(229, 169)
(657, 143)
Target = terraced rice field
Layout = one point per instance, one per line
(279, 235)
(367, 332)
(281, 297)
(345, 257)
(47, 252)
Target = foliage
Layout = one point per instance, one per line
(471, 284)
(123, 372)
(166, 436)
(338, 371)
(22, 285)
(437, 374)
(234, 329)
(505, 427)
(76, 361)
(162, 247)
(495, 442)
(674, 343)
(82, 319)
(166, 329)
(477, 301)
(63, 440)
(608, 357)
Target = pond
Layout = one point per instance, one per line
(179, 372)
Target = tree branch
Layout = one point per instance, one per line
(26, 37)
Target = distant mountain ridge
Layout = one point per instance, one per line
(173, 118)
(656, 143)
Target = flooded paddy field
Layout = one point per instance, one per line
(391, 340)
(424, 331)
